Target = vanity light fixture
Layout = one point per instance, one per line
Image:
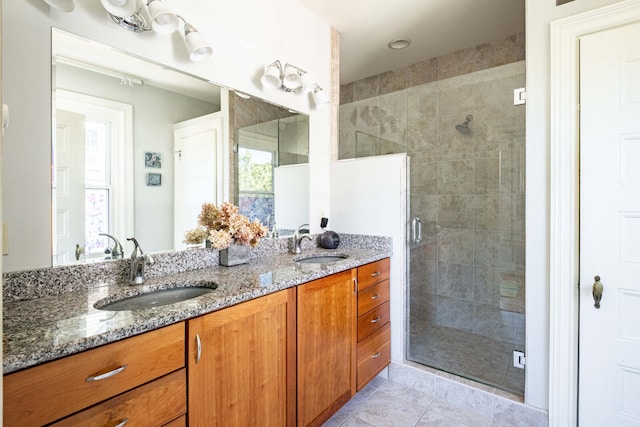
(288, 78)
(196, 45)
(121, 8)
(163, 21)
(319, 96)
(130, 15)
(292, 79)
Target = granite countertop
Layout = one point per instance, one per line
(47, 328)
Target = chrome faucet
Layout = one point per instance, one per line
(117, 251)
(297, 239)
(273, 231)
(138, 260)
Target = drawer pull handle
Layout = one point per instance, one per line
(376, 320)
(375, 296)
(199, 348)
(122, 423)
(106, 374)
(375, 355)
(377, 273)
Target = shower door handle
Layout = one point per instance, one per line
(416, 230)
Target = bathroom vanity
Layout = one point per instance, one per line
(278, 342)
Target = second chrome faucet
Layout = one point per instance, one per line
(298, 235)
(138, 261)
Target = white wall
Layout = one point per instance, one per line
(245, 35)
(539, 15)
(369, 196)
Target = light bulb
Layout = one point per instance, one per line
(196, 45)
(120, 8)
(271, 76)
(163, 21)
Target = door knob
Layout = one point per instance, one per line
(597, 291)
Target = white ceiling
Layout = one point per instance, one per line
(435, 27)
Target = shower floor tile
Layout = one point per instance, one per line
(466, 354)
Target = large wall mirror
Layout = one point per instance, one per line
(138, 146)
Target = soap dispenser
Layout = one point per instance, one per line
(328, 239)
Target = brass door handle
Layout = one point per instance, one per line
(597, 291)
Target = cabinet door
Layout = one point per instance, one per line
(326, 346)
(241, 363)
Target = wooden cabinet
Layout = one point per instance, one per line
(241, 364)
(154, 404)
(374, 328)
(326, 346)
(53, 390)
(292, 357)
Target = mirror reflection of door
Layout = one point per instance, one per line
(89, 175)
(68, 186)
(198, 170)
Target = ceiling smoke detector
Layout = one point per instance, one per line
(399, 43)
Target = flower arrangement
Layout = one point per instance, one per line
(223, 225)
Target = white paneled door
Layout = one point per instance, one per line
(198, 170)
(68, 190)
(609, 377)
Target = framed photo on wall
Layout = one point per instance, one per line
(152, 159)
(154, 179)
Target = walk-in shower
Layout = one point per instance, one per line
(465, 286)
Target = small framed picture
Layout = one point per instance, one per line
(152, 159)
(154, 179)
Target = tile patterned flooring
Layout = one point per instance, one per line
(482, 350)
(413, 398)
(487, 359)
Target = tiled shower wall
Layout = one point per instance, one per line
(467, 275)
(488, 55)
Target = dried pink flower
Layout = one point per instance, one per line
(223, 225)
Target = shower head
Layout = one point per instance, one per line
(464, 127)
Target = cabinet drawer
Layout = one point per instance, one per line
(372, 297)
(48, 392)
(153, 404)
(373, 320)
(374, 353)
(372, 273)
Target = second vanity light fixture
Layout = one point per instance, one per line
(129, 14)
(290, 78)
